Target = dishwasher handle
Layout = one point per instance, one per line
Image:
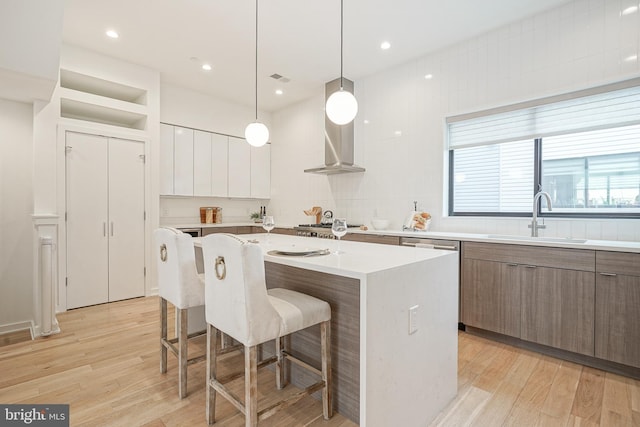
(430, 245)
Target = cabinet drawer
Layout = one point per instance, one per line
(210, 230)
(570, 259)
(618, 262)
(367, 238)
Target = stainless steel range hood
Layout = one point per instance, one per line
(338, 140)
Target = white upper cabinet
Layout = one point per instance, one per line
(239, 168)
(206, 164)
(261, 172)
(202, 166)
(166, 159)
(183, 161)
(219, 165)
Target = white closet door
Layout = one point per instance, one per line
(87, 220)
(183, 161)
(239, 168)
(202, 164)
(166, 159)
(219, 165)
(126, 219)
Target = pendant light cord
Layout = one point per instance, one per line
(341, 40)
(256, 60)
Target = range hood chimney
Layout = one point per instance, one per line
(338, 140)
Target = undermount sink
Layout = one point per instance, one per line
(536, 239)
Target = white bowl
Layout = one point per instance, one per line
(380, 224)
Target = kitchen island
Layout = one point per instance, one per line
(394, 324)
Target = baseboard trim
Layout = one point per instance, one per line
(18, 326)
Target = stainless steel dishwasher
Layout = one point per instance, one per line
(449, 245)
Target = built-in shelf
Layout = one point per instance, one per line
(96, 100)
(108, 89)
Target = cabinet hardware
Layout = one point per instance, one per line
(510, 264)
(111, 228)
(104, 229)
(608, 274)
(530, 266)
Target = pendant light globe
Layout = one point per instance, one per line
(341, 107)
(256, 134)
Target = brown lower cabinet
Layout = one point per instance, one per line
(539, 294)
(558, 308)
(372, 238)
(491, 296)
(231, 230)
(617, 328)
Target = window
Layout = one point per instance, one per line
(582, 148)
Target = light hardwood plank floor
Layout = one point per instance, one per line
(105, 364)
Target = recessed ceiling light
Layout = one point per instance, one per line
(279, 92)
(398, 133)
(385, 45)
(112, 34)
(428, 76)
(366, 122)
(630, 10)
(206, 67)
(631, 58)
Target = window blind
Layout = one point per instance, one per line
(573, 113)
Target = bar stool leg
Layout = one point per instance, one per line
(212, 369)
(163, 335)
(251, 386)
(280, 382)
(182, 351)
(325, 339)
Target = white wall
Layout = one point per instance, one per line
(579, 45)
(16, 206)
(184, 107)
(30, 38)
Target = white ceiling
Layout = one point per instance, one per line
(298, 39)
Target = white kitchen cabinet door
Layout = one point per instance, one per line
(239, 168)
(202, 164)
(87, 219)
(126, 219)
(166, 159)
(183, 161)
(219, 165)
(261, 172)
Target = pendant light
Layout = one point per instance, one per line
(256, 133)
(342, 106)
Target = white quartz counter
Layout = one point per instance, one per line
(357, 259)
(559, 242)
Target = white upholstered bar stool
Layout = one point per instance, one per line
(238, 304)
(181, 285)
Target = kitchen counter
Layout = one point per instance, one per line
(602, 245)
(559, 242)
(372, 289)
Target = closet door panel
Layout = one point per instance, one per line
(87, 219)
(126, 219)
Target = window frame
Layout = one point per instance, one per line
(537, 167)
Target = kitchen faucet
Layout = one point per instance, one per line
(534, 221)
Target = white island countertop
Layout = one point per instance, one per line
(357, 259)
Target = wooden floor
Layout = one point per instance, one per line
(105, 364)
